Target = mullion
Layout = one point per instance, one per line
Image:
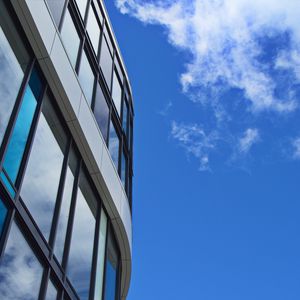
(44, 283)
(105, 259)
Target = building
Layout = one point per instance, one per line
(66, 123)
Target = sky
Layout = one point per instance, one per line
(216, 200)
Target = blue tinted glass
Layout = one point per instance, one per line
(8, 185)
(20, 134)
(3, 211)
(110, 281)
(35, 84)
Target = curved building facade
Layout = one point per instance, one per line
(66, 136)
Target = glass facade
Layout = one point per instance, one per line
(56, 238)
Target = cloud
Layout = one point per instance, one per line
(196, 141)
(249, 138)
(296, 148)
(224, 39)
(165, 111)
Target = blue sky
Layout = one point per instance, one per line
(217, 147)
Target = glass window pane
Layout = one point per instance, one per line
(125, 117)
(106, 62)
(86, 78)
(3, 213)
(65, 208)
(70, 38)
(101, 112)
(56, 8)
(51, 293)
(82, 7)
(20, 270)
(13, 60)
(22, 127)
(82, 243)
(93, 29)
(100, 256)
(117, 93)
(113, 145)
(124, 169)
(111, 269)
(40, 185)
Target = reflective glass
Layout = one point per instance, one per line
(100, 256)
(101, 111)
(20, 270)
(111, 270)
(16, 147)
(3, 212)
(113, 144)
(124, 169)
(117, 93)
(125, 117)
(106, 62)
(65, 208)
(70, 38)
(86, 77)
(93, 29)
(41, 180)
(51, 293)
(82, 7)
(82, 243)
(56, 7)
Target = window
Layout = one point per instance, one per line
(86, 77)
(113, 144)
(82, 7)
(100, 256)
(125, 117)
(106, 62)
(51, 293)
(82, 243)
(70, 38)
(56, 7)
(61, 230)
(93, 29)
(41, 180)
(117, 93)
(101, 111)
(17, 143)
(3, 212)
(20, 270)
(111, 269)
(123, 174)
(14, 59)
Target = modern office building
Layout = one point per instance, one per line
(66, 123)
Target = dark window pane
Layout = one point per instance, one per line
(101, 112)
(56, 8)
(70, 38)
(42, 174)
(106, 62)
(82, 243)
(82, 7)
(86, 77)
(93, 29)
(65, 208)
(51, 293)
(125, 117)
(113, 145)
(111, 269)
(100, 256)
(21, 130)
(3, 212)
(117, 92)
(20, 270)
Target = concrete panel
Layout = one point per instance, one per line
(125, 215)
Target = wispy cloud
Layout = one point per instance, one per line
(164, 112)
(249, 138)
(196, 141)
(296, 148)
(224, 40)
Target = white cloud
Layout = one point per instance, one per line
(249, 138)
(196, 141)
(296, 146)
(223, 40)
